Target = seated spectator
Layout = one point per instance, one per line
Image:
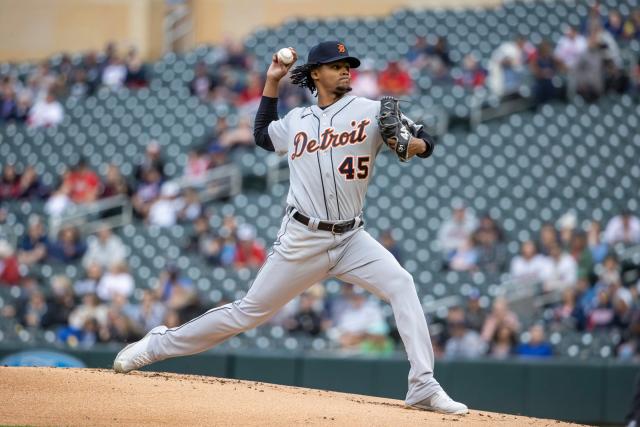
(104, 249)
(196, 167)
(136, 76)
(89, 308)
(172, 319)
(114, 74)
(79, 86)
(614, 24)
(475, 314)
(34, 310)
(89, 283)
(623, 228)
(537, 346)
(615, 78)
(118, 328)
(60, 304)
(394, 80)
(501, 315)
(202, 83)
(68, 247)
(365, 81)
(416, 56)
(456, 230)
(507, 66)
(548, 239)
(581, 254)
(492, 253)
(33, 244)
(252, 92)
(83, 183)
(623, 309)
(204, 241)
(465, 258)
(610, 274)
(598, 248)
(163, 212)
(438, 62)
(9, 267)
(117, 281)
(22, 109)
(30, 186)
(632, 26)
(8, 103)
(567, 225)
(307, 319)
(473, 75)
(560, 272)
(114, 184)
(148, 314)
(569, 312)
(602, 315)
(462, 342)
(152, 160)
(239, 136)
(46, 113)
(249, 253)
(360, 319)
(571, 46)
(146, 193)
(503, 343)
(588, 71)
(190, 206)
(176, 291)
(544, 68)
(389, 243)
(59, 202)
(10, 183)
(527, 267)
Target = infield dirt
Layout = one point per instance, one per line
(94, 397)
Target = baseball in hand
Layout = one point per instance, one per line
(285, 56)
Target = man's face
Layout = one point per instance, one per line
(334, 77)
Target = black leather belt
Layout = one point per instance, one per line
(335, 228)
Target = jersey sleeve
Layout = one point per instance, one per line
(278, 132)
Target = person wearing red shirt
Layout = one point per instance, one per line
(394, 80)
(9, 267)
(249, 253)
(83, 182)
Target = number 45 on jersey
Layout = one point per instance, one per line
(354, 167)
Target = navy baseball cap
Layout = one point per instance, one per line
(331, 51)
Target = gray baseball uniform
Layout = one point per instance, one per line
(331, 154)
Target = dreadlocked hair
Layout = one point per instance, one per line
(301, 76)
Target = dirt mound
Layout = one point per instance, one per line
(50, 396)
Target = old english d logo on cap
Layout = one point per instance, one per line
(341, 48)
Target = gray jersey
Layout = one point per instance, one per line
(331, 154)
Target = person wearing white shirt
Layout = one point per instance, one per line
(114, 74)
(456, 231)
(164, 211)
(570, 47)
(527, 267)
(358, 319)
(561, 272)
(47, 112)
(623, 228)
(105, 249)
(116, 281)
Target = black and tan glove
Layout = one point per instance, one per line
(393, 128)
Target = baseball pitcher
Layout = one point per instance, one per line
(331, 149)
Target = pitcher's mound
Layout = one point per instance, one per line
(50, 396)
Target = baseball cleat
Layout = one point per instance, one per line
(442, 403)
(135, 355)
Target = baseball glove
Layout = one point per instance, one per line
(393, 128)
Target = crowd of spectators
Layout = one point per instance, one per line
(34, 99)
(578, 267)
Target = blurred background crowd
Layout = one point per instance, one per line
(571, 255)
